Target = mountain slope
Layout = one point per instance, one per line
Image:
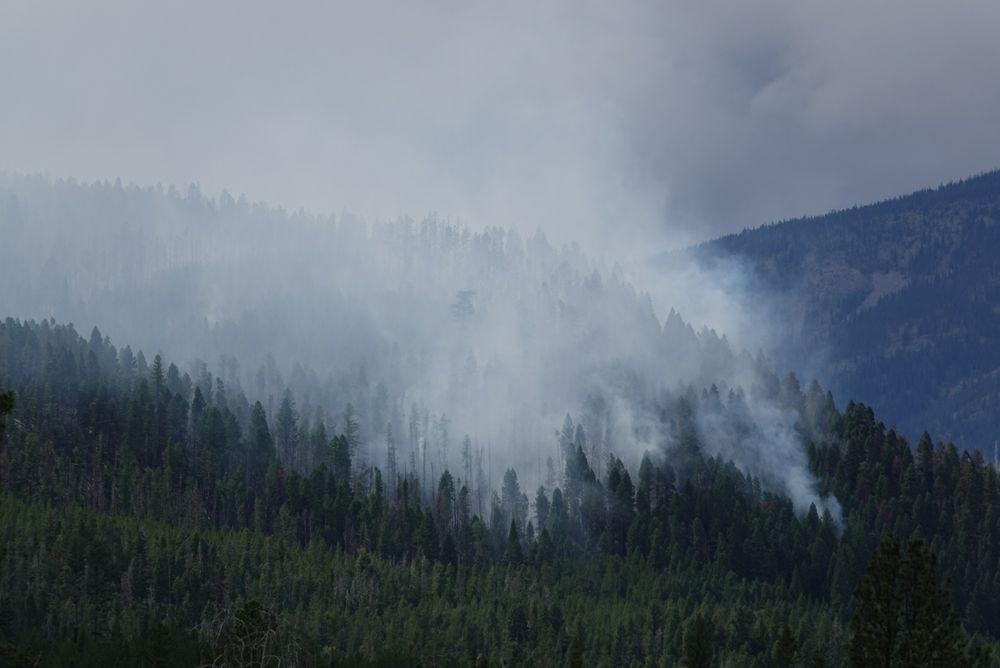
(141, 516)
(895, 303)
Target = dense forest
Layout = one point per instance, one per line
(158, 518)
(892, 304)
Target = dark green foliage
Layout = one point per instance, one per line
(950, 499)
(513, 554)
(875, 624)
(698, 643)
(340, 457)
(786, 650)
(6, 406)
(145, 517)
(233, 588)
(903, 616)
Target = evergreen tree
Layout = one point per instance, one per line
(286, 432)
(319, 444)
(786, 649)
(513, 553)
(903, 616)
(467, 460)
(352, 431)
(391, 464)
(6, 406)
(930, 633)
(340, 457)
(698, 651)
(260, 445)
(541, 507)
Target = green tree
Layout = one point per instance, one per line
(875, 624)
(513, 554)
(340, 457)
(930, 634)
(903, 616)
(352, 429)
(786, 649)
(286, 431)
(698, 650)
(6, 406)
(260, 445)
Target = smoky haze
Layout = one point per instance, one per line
(628, 125)
(560, 146)
(425, 327)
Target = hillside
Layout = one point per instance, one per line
(148, 522)
(438, 330)
(458, 447)
(894, 304)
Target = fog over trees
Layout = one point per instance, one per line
(464, 374)
(289, 439)
(422, 328)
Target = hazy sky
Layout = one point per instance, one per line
(663, 122)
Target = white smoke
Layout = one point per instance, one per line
(486, 333)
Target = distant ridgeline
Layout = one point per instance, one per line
(149, 516)
(895, 304)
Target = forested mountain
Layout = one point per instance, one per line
(150, 517)
(894, 304)
(430, 331)
(418, 444)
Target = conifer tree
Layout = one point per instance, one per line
(391, 463)
(6, 406)
(698, 645)
(513, 553)
(903, 616)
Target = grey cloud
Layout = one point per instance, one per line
(628, 123)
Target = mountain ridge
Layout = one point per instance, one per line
(891, 303)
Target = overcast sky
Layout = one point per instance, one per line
(662, 122)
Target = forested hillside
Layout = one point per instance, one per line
(371, 335)
(430, 331)
(148, 516)
(894, 304)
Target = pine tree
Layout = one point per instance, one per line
(930, 634)
(541, 507)
(286, 432)
(352, 431)
(514, 502)
(513, 553)
(467, 460)
(197, 406)
(786, 649)
(6, 406)
(698, 651)
(903, 616)
(340, 457)
(319, 446)
(391, 464)
(428, 539)
(875, 624)
(260, 444)
(157, 376)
